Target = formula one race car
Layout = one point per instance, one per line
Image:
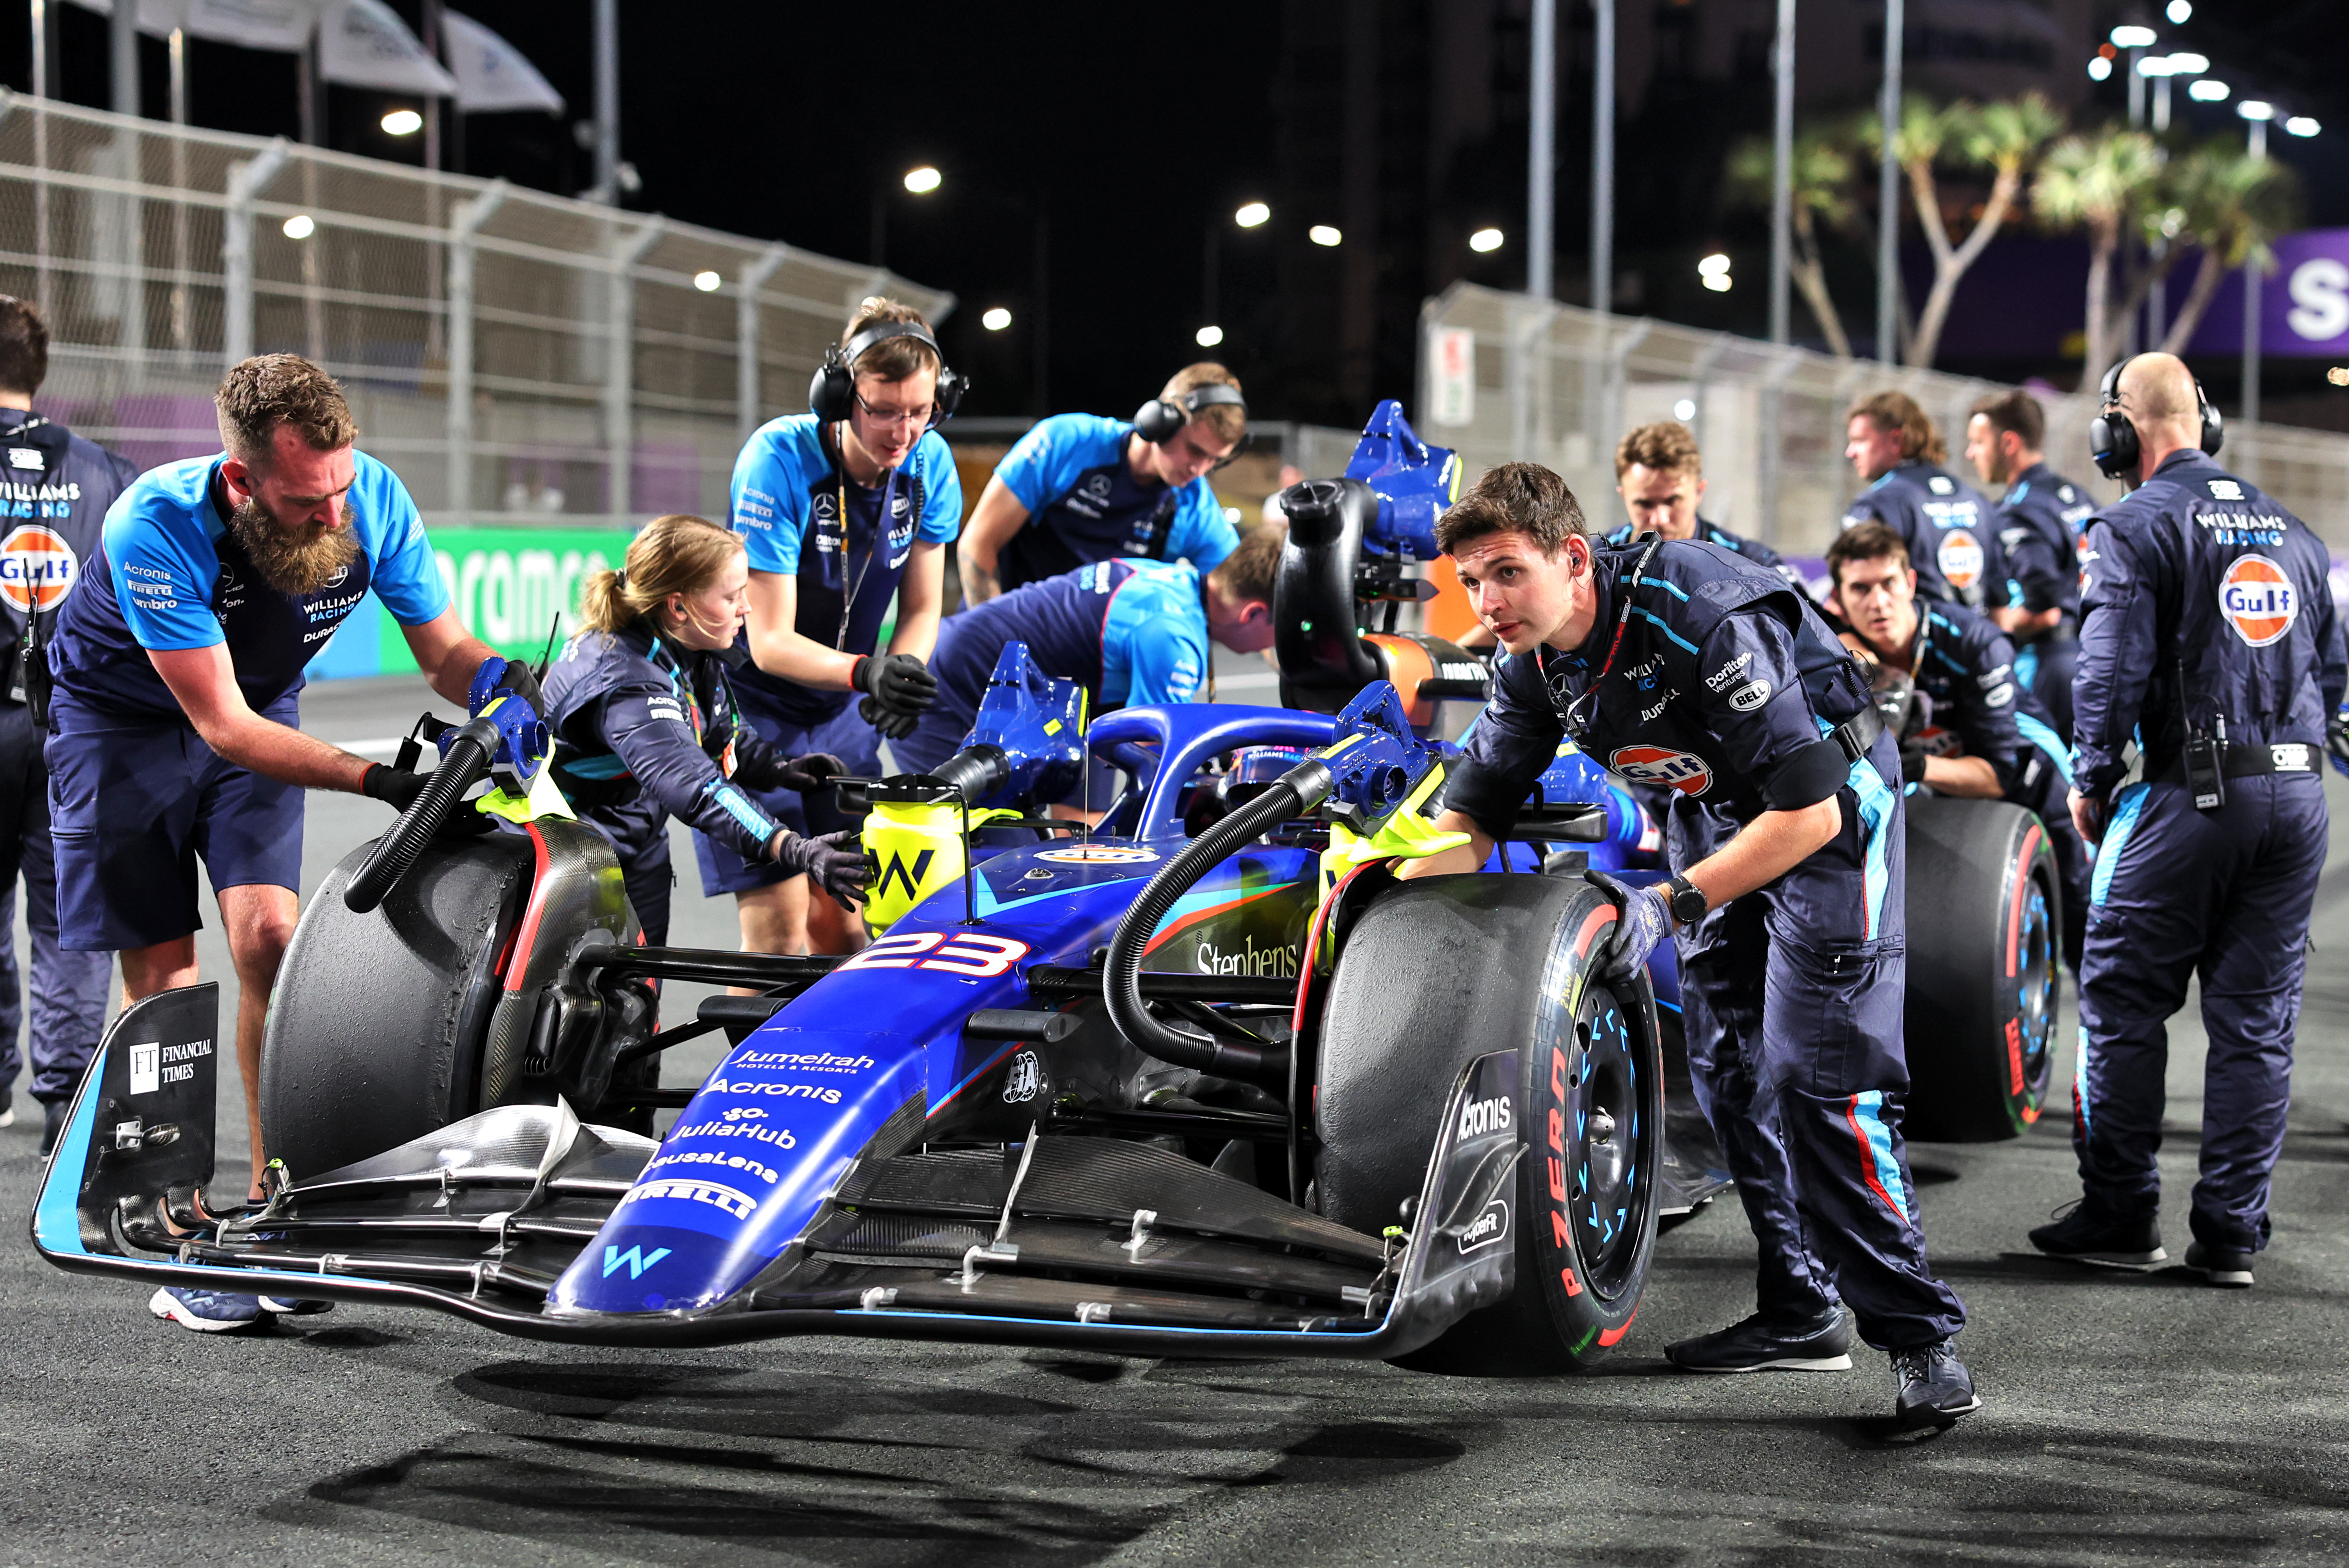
(1207, 1081)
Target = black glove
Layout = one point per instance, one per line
(1913, 761)
(899, 682)
(896, 726)
(2336, 739)
(810, 772)
(836, 860)
(395, 787)
(1645, 924)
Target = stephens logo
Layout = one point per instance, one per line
(1659, 765)
(2258, 600)
(36, 567)
(1959, 558)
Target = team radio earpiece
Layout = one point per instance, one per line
(2112, 441)
(832, 391)
(1157, 420)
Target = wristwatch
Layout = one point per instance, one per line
(1686, 901)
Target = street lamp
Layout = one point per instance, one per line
(708, 282)
(2301, 125)
(402, 123)
(2180, 12)
(1323, 234)
(300, 226)
(1251, 214)
(923, 181)
(2132, 38)
(1208, 336)
(2209, 89)
(2099, 68)
(996, 320)
(1484, 242)
(1713, 270)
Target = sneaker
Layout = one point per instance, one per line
(8, 1118)
(1935, 1388)
(53, 1124)
(289, 1306)
(1755, 1345)
(207, 1312)
(2219, 1265)
(2083, 1234)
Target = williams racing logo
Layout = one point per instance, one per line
(1660, 765)
(36, 568)
(2258, 600)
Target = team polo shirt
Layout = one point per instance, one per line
(1085, 504)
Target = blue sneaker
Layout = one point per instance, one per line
(207, 1312)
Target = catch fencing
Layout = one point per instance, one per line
(1506, 375)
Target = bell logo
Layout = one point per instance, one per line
(36, 567)
(635, 1259)
(2258, 600)
(1959, 558)
(1659, 765)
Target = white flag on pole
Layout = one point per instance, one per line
(363, 43)
(491, 73)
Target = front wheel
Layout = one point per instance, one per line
(1434, 974)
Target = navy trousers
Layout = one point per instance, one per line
(67, 994)
(2177, 891)
(1792, 1000)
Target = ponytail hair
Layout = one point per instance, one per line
(672, 555)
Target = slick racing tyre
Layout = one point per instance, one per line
(377, 1024)
(1985, 923)
(1437, 972)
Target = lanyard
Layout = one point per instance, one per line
(880, 532)
(1577, 721)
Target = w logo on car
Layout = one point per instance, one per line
(636, 1260)
(895, 871)
(2258, 600)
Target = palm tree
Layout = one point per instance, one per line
(2005, 138)
(1821, 178)
(2103, 181)
(2231, 204)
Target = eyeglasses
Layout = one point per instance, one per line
(897, 417)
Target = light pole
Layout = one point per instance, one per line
(1782, 176)
(1888, 195)
(607, 101)
(1541, 154)
(1602, 158)
(2256, 116)
(2133, 41)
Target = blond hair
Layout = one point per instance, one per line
(672, 555)
(1898, 413)
(1664, 447)
(1228, 420)
(892, 358)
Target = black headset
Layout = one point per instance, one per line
(1157, 420)
(832, 391)
(2112, 441)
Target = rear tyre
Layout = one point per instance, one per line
(1985, 924)
(377, 1024)
(1435, 974)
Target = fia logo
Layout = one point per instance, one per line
(1025, 1080)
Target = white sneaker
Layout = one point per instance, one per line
(8, 1117)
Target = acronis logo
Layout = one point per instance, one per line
(635, 1259)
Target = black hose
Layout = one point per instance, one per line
(977, 770)
(1299, 790)
(463, 764)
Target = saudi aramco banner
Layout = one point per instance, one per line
(2304, 304)
(510, 586)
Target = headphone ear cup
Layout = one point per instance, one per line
(952, 385)
(2112, 440)
(831, 390)
(2214, 429)
(1157, 420)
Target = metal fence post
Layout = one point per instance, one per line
(246, 181)
(464, 224)
(620, 366)
(746, 334)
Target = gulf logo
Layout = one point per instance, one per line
(36, 567)
(1959, 558)
(1660, 765)
(2258, 600)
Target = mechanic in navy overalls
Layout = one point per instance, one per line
(2038, 527)
(2208, 633)
(1660, 475)
(1080, 488)
(55, 488)
(1130, 632)
(646, 726)
(174, 725)
(843, 509)
(1986, 737)
(1945, 522)
(1680, 663)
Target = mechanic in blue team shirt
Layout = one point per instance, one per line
(1660, 475)
(843, 509)
(1132, 633)
(2208, 634)
(1945, 522)
(173, 721)
(1677, 662)
(2038, 524)
(55, 489)
(646, 726)
(1987, 737)
(1080, 488)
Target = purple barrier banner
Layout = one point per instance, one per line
(2304, 304)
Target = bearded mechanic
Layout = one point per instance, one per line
(1945, 522)
(174, 725)
(2038, 520)
(1676, 662)
(2207, 630)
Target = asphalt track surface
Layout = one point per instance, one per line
(2129, 1418)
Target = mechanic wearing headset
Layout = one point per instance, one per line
(1945, 523)
(55, 489)
(646, 726)
(1131, 632)
(2039, 533)
(2207, 628)
(1660, 475)
(843, 508)
(1989, 738)
(1080, 488)
(1676, 662)
(173, 721)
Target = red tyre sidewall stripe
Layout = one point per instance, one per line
(526, 938)
(2014, 909)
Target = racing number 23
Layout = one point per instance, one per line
(956, 952)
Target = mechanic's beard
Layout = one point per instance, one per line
(296, 561)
